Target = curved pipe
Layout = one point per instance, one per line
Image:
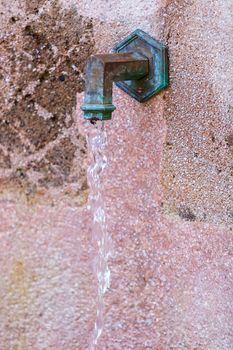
(101, 71)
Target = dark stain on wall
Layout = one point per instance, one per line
(33, 6)
(44, 57)
(229, 140)
(57, 164)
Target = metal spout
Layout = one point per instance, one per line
(101, 71)
(139, 67)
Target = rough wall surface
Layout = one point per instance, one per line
(197, 174)
(43, 54)
(47, 295)
(171, 279)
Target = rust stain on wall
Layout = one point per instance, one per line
(17, 299)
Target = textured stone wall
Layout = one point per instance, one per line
(197, 173)
(47, 296)
(168, 185)
(43, 53)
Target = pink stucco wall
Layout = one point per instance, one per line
(167, 186)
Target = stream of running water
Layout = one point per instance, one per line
(97, 140)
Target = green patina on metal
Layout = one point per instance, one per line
(98, 111)
(139, 66)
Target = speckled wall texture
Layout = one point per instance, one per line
(168, 185)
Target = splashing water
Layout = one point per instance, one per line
(96, 142)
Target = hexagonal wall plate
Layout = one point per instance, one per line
(157, 53)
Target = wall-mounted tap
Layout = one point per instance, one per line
(139, 65)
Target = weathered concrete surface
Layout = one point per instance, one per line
(171, 280)
(168, 184)
(42, 60)
(197, 169)
(46, 298)
(47, 292)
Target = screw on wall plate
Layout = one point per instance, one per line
(139, 90)
(139, 66)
